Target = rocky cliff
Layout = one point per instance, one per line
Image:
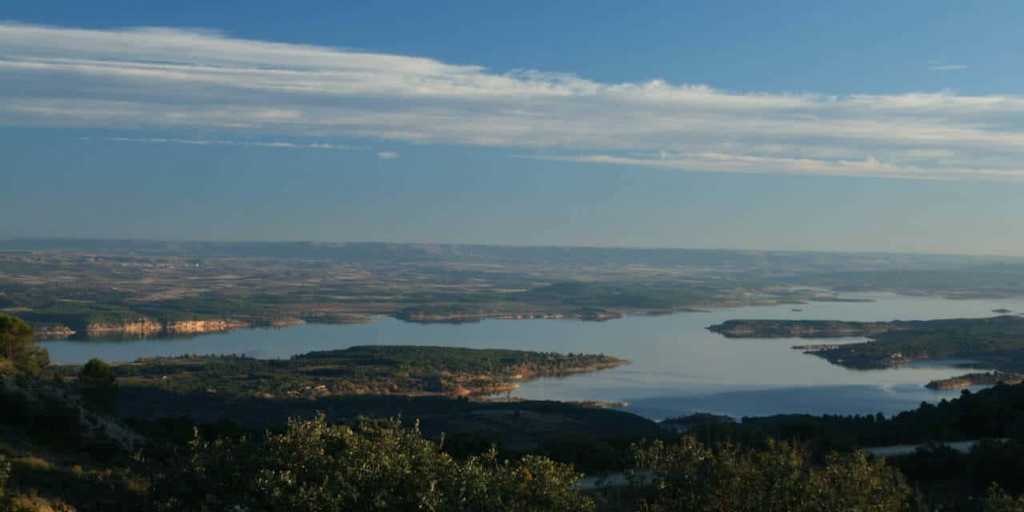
(202, 326)
(136, 327)
(143, 327)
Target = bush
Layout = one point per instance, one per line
(33, 503)
(374, 466)
(96, 374)
(996, 500)
(782, 477)
(99, 387)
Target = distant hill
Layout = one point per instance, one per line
(364, 252)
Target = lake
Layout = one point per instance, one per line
(678, 367)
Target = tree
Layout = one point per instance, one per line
(18, 346)
(99, 387)
(15, 334)
(377, 465)
(96, 374)
(781, 477)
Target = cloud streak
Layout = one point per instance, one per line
(947, 67)
(242, 143)
(174, 79)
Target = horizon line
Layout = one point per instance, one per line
(508, 245)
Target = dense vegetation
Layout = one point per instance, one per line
(360, 370)
(316, 466)
(18, 348)
(997, 341)
(782, 477)
(372, 466)
(53, 451)
(799, 328)
(997, 413)
(59, 448)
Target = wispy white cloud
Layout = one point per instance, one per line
(751, 164)
(947, 67)
(175, 79)
(243, 143)
(387, 155)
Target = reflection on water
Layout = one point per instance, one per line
(678, 366)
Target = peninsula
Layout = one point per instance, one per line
(976, 379)
(799, 328)
(361, 370)
(997, 342)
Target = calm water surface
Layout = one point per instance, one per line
(678, 366)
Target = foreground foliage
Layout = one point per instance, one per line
(993, 413)
(782, 477)
(379, 465)
(376, 465)
(998, 501)
(51, 460)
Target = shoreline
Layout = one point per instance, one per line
(381, 370)
(265, 344)
(145, 328)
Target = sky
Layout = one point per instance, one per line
(837, 126)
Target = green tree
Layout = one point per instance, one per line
(18, 346)
(96, 374)
(99, 387)
(781, 477)
(377, 465)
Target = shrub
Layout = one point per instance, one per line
(96, 374)
(996, 500)
(781, 477)
(378, 465)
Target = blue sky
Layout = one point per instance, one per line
(807, 125)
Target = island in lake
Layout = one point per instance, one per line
(996, 342)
